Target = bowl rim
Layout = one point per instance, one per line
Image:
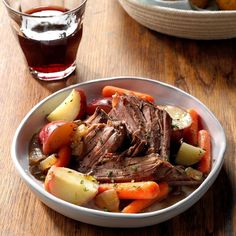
(184, 202)
(181, 12)
(11, 9)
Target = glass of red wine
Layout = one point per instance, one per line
(49, 33)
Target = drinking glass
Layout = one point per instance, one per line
(49, 33)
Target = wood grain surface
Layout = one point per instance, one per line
(113, 44)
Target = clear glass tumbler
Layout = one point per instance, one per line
(49, 33)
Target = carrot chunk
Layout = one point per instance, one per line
(204, 142)
(138, 205)
(191, 134)
(136, 190)
(108, 91)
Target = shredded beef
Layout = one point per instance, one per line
(101, 139)
(113, 168)
(131, 143)
(99, 116)
(149, 127)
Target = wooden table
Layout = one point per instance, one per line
(114, 44)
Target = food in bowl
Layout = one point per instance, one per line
(199, 3)
(121, 152)
(213, 5)
(226, 5)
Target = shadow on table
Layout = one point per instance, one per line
(207, 59)
(212, 214)
(82, 74)
(175, 60)
(78, 76)
(54, 86)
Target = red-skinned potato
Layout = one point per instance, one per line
(63, 156)
(103, 103)
(191, 134)
(48, 178)
(56, 134)
(181, 121)
(73, 107)
(70, 185)
(83, 104)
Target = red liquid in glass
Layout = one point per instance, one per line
(50, 46)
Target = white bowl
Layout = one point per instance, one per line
(181, 22)
(163, 94)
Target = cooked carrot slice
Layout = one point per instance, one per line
(136, 190)
(138, 205)
(108, 91)
(204, 142)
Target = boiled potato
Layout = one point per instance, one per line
(70, 185)
(226, 4)
(181, 121)
(188, 154)
(48, 162)
(73, 107)
(108, 200)
(55, 135)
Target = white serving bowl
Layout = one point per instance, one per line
(163, 94)
(206, 25)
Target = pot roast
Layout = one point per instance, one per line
(130, 143)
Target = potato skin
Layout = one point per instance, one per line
(226, 4)
(199, 3)
(70, 185)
